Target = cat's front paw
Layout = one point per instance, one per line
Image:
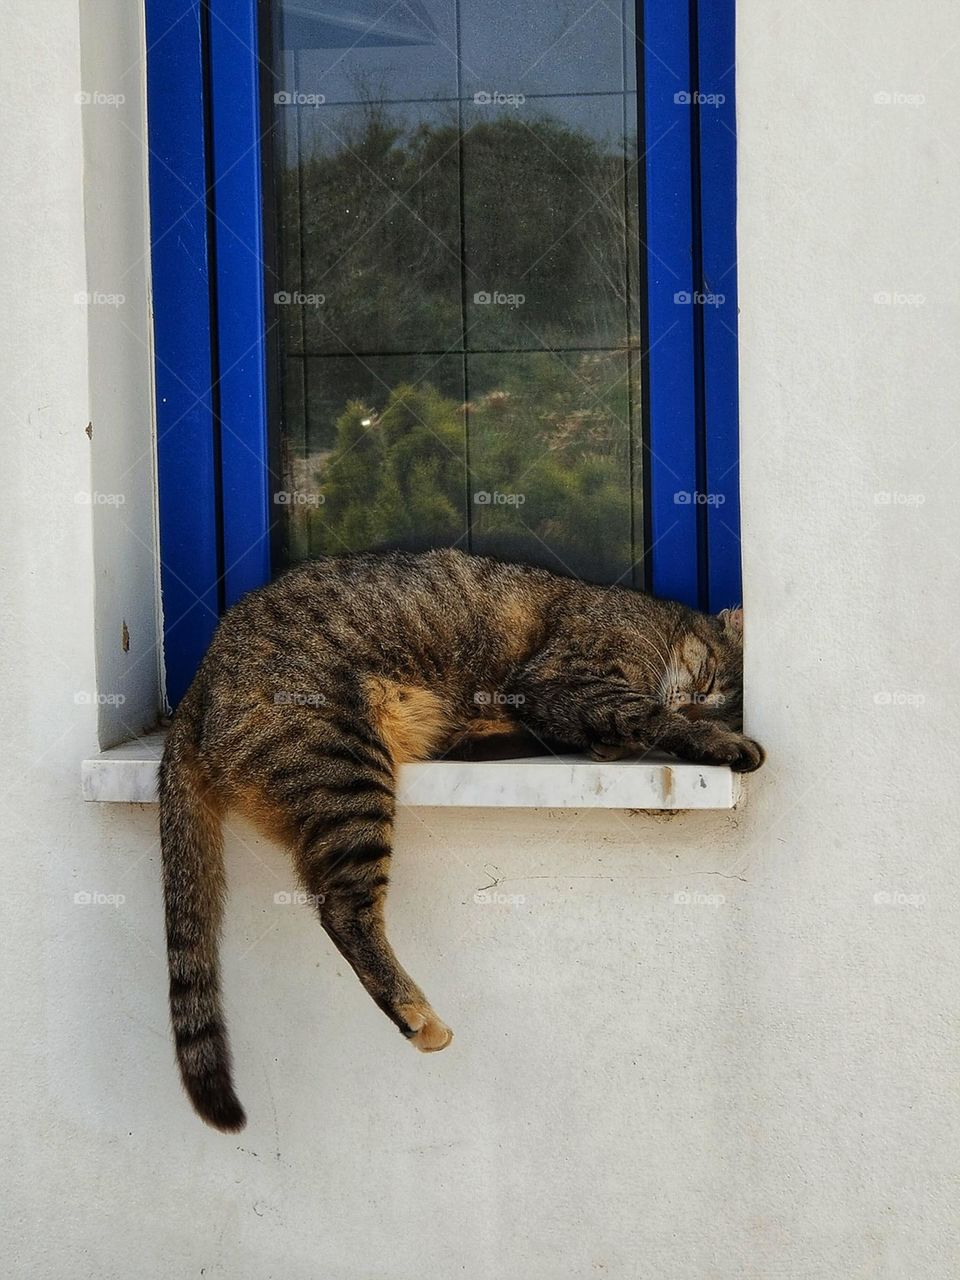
(742, 754)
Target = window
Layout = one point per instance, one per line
(442, 272)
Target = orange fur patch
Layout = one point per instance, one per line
(265, 816)
(489, 728)
(413, 722)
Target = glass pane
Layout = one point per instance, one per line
(376, 457)
(372, 50)
(554, 488)
(382, 242)
(458, 271)
(539, 46)
(546, 225)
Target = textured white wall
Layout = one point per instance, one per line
(759, 1083)
(120, 369)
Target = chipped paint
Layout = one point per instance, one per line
(125, 638)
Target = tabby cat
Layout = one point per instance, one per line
(317, 686)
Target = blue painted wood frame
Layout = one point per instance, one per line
(671, 405)
(186, 455)
(718, 200)
(691, 388)
(206, 191)
(237, 198)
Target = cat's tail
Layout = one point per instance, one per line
(194, 888)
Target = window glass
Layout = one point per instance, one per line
(458, 280)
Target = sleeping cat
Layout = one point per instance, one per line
(318, 685)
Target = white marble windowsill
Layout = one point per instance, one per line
(128, 774)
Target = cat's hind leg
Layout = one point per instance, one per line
(330, 798)
(349, 876)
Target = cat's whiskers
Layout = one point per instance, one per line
(662, 649)
(672, 686)
(658, 662)
(651, 669)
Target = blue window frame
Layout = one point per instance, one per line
(207, 133)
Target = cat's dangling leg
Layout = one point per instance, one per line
(337, 803)
(351, 898)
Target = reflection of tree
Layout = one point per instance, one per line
(364, 210)
(394, 478)
(544, 203)
(399, 470)
(558, 460)
(378, 205)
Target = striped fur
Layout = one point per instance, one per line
(318, 686)
(194, 892)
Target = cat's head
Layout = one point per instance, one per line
(704, 674)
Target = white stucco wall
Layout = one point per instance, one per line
(759, 1084)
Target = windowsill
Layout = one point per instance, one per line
(128, 775)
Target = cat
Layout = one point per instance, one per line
(318, 685)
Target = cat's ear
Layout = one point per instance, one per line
(732, 621)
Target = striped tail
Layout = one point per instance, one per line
(194, 888)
